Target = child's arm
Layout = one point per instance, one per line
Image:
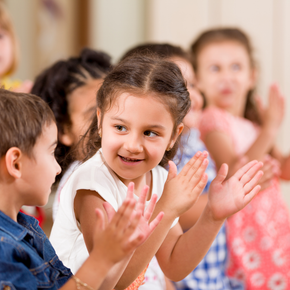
(145, 228)
(222, 149)
(181, 253)
(115, 242)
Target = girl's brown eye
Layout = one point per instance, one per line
(150, 133)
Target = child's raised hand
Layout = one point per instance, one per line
(271, 169)
(227, 197)
(181, 191)
(128, 228)
(274, 113)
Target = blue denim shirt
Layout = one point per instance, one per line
(27, 258)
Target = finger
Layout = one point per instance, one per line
(222, 173)
(194, 168)
(190, 163)
(253, 182)
(142, 199)
(172, 171)
(150, 208)
(124, 219)
(251, 194)
(155, 223)
(244, 169)
(198, 189)
(109, 210)
(100, 222)
(123, 211)
(251, 172)
(133, 226)
(130, 190)
(197, 176)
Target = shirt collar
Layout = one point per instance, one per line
(17, 230)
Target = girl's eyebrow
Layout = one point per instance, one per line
(149, 126)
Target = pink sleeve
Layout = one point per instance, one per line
(214, 119)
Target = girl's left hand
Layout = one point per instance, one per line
(227, 197)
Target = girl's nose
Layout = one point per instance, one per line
(133, 144)
(58, 168)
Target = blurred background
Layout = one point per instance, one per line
(49, 30)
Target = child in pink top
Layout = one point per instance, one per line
(258, 236)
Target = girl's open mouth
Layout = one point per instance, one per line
(129, 160)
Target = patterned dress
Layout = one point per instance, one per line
(258, 236)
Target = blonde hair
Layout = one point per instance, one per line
(6, 24)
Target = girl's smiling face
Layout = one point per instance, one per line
(225, 75)
(136, 131)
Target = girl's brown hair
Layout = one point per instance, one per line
(6, 25)
(218, 35)
(141, 75)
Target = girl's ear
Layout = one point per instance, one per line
(99, 116)
(13, 162)
(66, 138)
(179, 130)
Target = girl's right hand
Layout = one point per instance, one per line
(273, 115)
(182, 191)
(128, 228)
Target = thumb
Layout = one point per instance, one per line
(172, 171)
(109, 210)
(100, 222)
(222, 173)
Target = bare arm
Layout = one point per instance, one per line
(284, 163)
(190, 217)
(111, 244)
(181, 253)
(220, 144)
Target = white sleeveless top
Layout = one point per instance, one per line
(94, 174)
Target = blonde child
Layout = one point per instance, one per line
(9, 54)
(140, 108)
(69, 87)
(27, 171)
(232, 128)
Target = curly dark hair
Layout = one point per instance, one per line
(55, 84)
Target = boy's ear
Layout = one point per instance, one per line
(66, 138)
(13, 162)
(179, 130)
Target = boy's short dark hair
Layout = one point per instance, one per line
(22, 118)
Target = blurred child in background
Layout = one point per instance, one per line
(70, 88)
(9, 54)
(232, 128)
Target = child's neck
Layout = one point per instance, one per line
(140, 182)
(9, 204)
